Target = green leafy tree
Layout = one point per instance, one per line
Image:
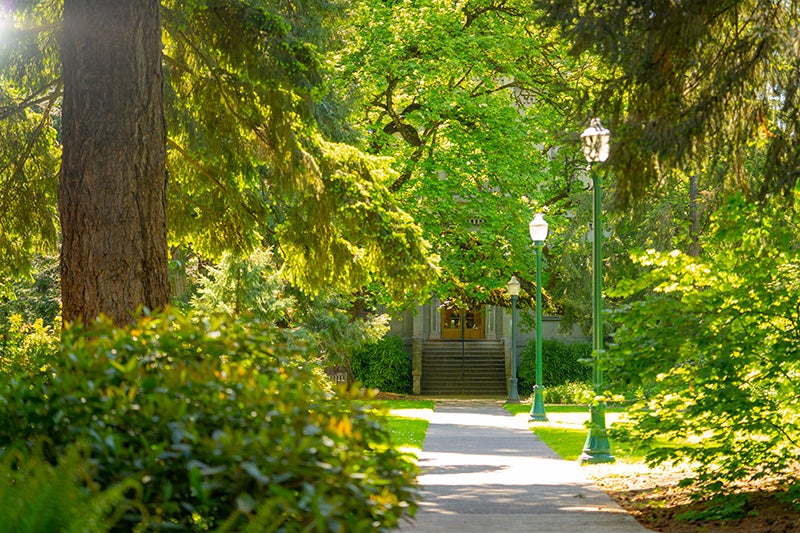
(715, 338)
(479, 107)
(30, 95)
(244, 286)
(691, 85)
(469, 100)
(247, 164)
(254, 286)
(674, 215)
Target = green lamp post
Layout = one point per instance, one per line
(597, 449)
(513, 289)
(538, 230)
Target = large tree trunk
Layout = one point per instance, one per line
(112, 192)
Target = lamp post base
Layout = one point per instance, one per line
(513, 392)
(538, 413)
(597, 448)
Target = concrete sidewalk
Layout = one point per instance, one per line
(484, 471)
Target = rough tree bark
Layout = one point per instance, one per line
(112, 190)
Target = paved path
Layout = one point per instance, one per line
(484, 471)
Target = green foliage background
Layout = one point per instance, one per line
(690, 86)
(322, 153)
(561, 363)
(716, 336)
(248, 166)
(383, 365)
(470, 102)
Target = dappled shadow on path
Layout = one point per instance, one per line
(479, 461)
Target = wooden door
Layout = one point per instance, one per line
(466, 322)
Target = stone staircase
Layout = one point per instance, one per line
(478, 369)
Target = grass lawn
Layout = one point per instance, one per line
(517, 408)
(407, 432)
(565, 432)
(402, 404)
(407, 421)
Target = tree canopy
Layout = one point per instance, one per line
(248, 165)
(693, 85)
(469, 100)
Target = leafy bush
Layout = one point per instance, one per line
(36, 496)
(573, 392)
(714, 340)
(25, 348)
(561, 363)
(33, 297)
(219, 421)
(383, 365)
(30, 321)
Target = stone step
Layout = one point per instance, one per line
(472, 368)
(455, 386)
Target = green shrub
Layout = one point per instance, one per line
(219, 421)
(25, 348)
(37, 296)
(573, 392)
(561, 363)
(383, 365)
(36, 496)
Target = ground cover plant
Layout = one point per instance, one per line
(25, 347)
(223, 423)
(407, 432)
(517, 408)
(395, 405)
(36, 496)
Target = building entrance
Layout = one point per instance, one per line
(463, 323)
